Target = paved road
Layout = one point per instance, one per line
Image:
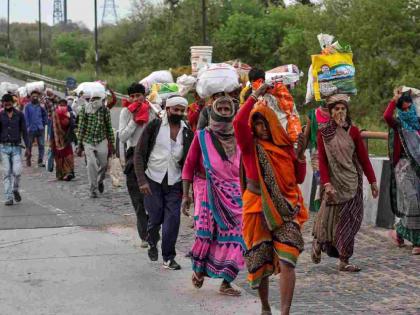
(5, 77)
(60, 249)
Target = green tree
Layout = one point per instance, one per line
(70, 49)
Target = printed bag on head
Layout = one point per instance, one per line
(288, 112)
(333, 74)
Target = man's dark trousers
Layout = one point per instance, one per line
(135, 195)
(164, 208)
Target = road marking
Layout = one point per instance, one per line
(68, 219)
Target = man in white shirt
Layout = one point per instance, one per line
(133, 119)
(158, 160)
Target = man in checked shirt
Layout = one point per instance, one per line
(96, 138)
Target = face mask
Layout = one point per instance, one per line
(96, 104)
(175, 119)
(80, 101)
(8, 109)
(35, 101)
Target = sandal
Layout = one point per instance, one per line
(197, 281)
(226, 289)
(398, 241)
(416, 250)
(316, 252)
(349, 268)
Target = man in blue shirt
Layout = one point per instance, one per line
(12, 130)
(36, 120)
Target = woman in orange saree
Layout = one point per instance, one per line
(273, 209)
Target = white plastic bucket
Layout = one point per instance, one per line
(200, 57)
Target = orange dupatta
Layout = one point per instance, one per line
(282, 199)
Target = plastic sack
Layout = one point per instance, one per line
(116, 172)
(333, 74)
(50, 160)
(163, 91)
(162, 76)
(22, 91)
(287, 74)
(241, 68)
(325, 40)
(309, 87)
(120, 148)
(415, 95)
(217, 78)
(282, 103)
(185, 83)
(91, 89)
(7, 87)
(35, 86)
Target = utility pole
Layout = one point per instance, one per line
(204, 21)
(8, 29)
(40, 36)
(96, 41)
(65, 11)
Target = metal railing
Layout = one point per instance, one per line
(373, 135)
(56, 84)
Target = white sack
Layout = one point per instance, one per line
(216, 78)
(162, 76)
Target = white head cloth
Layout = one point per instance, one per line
(176, 100)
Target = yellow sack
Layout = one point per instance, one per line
(333, 74)
(242, 95)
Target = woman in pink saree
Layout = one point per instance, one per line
(213, 164)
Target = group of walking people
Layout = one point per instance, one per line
(66, 126)
(240, 169)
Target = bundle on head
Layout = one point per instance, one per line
(405, 98)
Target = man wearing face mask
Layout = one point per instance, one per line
(78, 103)
(96, 138)
(158, 160)
(12, 130)
(36, 119)
(133, 119)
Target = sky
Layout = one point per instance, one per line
(77, 10)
